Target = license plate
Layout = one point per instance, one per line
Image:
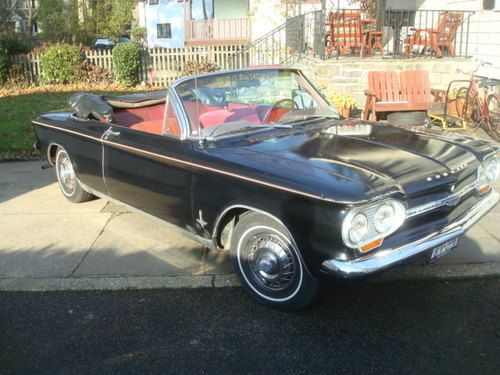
(444, 249)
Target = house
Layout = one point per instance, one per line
(21, 15)
(179, 23)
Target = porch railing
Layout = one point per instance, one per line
(284, 45)
(218, 29)
(392, 30)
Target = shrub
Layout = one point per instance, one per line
(88, 72)
(198, 67)
(4, 63)
(126, 63)
(138, 33)
(59, 63)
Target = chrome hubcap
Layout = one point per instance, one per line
(271, 262)
(66, 173)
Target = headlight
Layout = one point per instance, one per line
(365, 227)
(491, 170)
(384, 218)
(358, 228)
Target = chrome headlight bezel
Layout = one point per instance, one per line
(487, 174)
(369, 211)
(491, 170)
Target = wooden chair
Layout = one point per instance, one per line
(387, 93)
(373, 37)
(345, 32)
(438, 39)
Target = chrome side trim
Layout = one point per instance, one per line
(204, 241)
(386, 258)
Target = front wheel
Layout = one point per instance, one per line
(69, 184)
(269, 264)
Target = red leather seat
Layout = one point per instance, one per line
(152, 126)
(222, 116)
(130, 116)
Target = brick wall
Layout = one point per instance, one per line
(351, 76)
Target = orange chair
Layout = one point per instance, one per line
(345, 32)
(438, 39)
(387, 93)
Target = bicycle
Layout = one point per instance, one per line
(481, 111)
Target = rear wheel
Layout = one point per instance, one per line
(494, 111)
(269, 265)
(66, 177)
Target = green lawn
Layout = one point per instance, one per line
(16, 113)
(16, 132)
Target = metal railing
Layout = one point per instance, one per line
(284, 45)
(401, 26)
(217, 29)
(399, 33)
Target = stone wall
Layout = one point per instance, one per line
(350, 76)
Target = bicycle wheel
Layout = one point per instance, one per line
(494, 114)
(469, 108)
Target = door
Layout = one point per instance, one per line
(149, 171)
(85, 151)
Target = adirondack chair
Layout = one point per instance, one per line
(438, 39)
(345, 32)
(387, 93)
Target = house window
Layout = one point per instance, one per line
(153, 2)
(163, 30)
(488, 4)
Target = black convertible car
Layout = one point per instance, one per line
(258, 163)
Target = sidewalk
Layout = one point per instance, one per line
(48, 243)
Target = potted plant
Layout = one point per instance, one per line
(342, 103)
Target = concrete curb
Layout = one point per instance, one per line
(431, 272)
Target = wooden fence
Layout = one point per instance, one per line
(159, 65)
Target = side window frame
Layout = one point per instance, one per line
(173, 100)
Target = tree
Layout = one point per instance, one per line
(112, 18)
(58, 20)
(82, 21)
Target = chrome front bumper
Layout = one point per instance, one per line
(387, 258)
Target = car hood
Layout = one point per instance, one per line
(355, 161)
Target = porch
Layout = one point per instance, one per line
(217, 32)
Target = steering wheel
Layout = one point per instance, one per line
(276, 106)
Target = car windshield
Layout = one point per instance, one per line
(250, 100)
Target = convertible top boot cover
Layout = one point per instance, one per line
(144, 99)
(86, 105)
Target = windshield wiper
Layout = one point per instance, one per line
(236, 127)
(302, 118)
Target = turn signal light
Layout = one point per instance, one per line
(372, 245)
(484, 189)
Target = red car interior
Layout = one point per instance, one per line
(150, 119)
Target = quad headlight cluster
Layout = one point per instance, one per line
(487, 173)
(364, 228)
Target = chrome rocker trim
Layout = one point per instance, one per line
(387, 258)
